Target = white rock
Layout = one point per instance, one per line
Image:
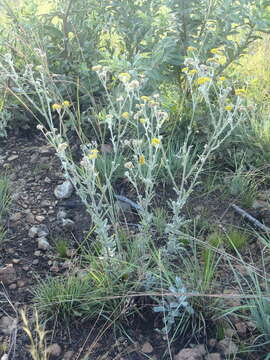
(61, 214)
(38, 231)
(40, 218)
(33, 232)
(12, 157)
(63, 191)
(43, 243)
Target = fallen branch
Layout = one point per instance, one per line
(250, 218)
(128, 201)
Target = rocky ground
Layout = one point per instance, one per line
(41, 213)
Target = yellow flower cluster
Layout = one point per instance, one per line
(191, 48)
(58, 107)
(214, 60)
(145, 98)
(125, 115)
(216, 51)
(93, 153)
(228, 107)
(66, 103)
(240, 92)
(155, 142)
(203, 80)
(141, 160)
(142, 120)
(124, 77)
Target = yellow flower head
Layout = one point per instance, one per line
(203, 80)
(141, 160)
(66, 103)
(124, 77)
(191, 48)
(216, 51)
(213, 60)
(142, 120)
(228, 107)
(222, 78)
(185, 69)
(240, 92)
(125, 115)
(93, 154)
(192, 72)
(155, 141)
(145, 98)
(56, 107)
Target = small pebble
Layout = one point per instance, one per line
(16, 261)
(40, 218)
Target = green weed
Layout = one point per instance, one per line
(232, 239)
(243, 186)
(160, 220)
(62, 247)
(62, 297)
(5, 196)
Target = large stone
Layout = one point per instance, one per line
(195, 353)
(7, 324)
(69, 355)
(260, 204)
(213, 356)
(63, 191)
(227, 346)
(15, 217)
(8, 274)
(54, 350)
(147, 348)
(12, 157)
